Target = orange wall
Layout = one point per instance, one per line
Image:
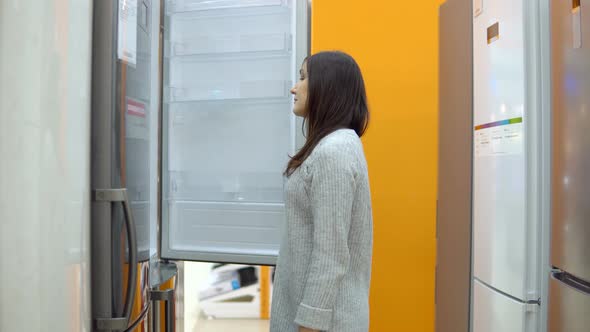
(396, 44)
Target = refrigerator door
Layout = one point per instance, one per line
(504, 232)
(124, 155)
(228, 126)
(569, 304)
(571, 143)
(494, 311)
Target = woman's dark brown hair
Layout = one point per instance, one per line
(336, 99)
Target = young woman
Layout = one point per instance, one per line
(324, 265)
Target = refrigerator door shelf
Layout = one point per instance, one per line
(180, 6)
(239, 76)
(231, 67)
(179, 110)
(494, 311)
(569, 305)
(224, 90)
(231, 43)
(255, 21)
(225, 228)
(254, 145)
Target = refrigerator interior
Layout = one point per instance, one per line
(228, 126)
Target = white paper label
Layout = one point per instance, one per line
(127, 31)
(501, 138)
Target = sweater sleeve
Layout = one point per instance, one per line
(331, 196)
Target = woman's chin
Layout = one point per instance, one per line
(299, 113)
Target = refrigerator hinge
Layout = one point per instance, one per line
(532, 306)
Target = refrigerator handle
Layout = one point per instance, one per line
(571, 281)
(120, 195)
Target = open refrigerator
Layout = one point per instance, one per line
(192, 126)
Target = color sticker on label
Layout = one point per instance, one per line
(136, 121)
(499, 138)
(135, 108)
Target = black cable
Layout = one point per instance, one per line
(140, 319)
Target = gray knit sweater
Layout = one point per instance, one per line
(324, 265)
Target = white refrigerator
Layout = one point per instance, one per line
(510, 182)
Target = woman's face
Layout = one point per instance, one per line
(299, 92)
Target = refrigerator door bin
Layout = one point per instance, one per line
(182, 6)
(242, 42)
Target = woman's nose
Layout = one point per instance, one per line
(293, 90)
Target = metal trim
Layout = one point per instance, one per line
(103, 99)
(302, 50)
(545, 77)
(217, 257)
(160, 128)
